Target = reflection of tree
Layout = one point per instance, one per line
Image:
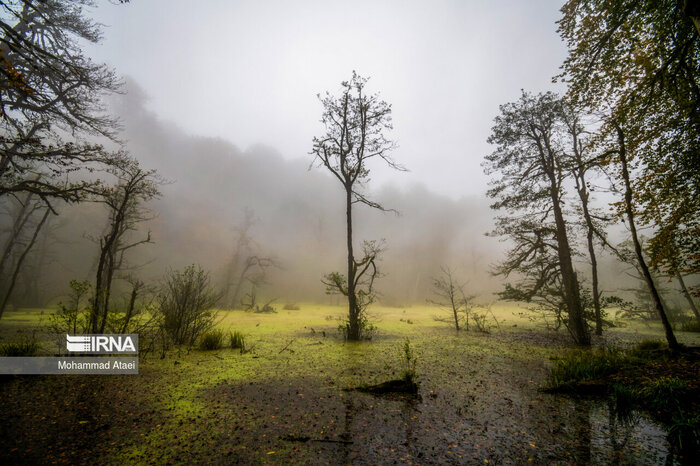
(582, 427)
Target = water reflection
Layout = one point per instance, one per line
(630, 439)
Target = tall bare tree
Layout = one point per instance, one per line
(582, 161)
(247, 265)
(355, 125)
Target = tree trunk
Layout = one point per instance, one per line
(693, 307)
(454, 309)
(583, 194)
(18, 266)
(17, 227)
(577, 325)
(130, 309)
(353, 314)
(670, 337)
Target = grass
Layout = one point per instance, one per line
(585, 365)
(212, 340)
(237, 340)
(692, 325)
(238, 400)
(24, 347)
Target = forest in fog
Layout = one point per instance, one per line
(451, 232)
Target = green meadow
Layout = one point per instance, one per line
(291, 397)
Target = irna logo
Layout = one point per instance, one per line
(102, 344)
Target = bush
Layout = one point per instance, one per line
(212, 340)
(291, 307)
(185, 304)
(237, 340)
(25, 347)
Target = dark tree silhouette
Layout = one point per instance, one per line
(51, 99)
(629, 209)
(530, 169)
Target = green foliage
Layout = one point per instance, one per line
(685, 432)
(237, 340)
(692, 325)
(637, 61)
(24, 347)
(665, 393)
(211, 340)
(651, 345)
(623, 398)
(581, 365)
(408, 363)
(185, 303)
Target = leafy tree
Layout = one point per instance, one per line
(530, 170)
(637, 62)
(355, 123)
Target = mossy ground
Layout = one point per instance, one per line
(284, 402)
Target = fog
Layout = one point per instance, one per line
(249, 71)
(221, 99)
(298, 218)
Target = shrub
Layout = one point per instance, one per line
(211, 340)
(578, 365)
(185, 303)
(651, 345)
(408, 363)
(291, 307)
(237, 340)
(25, 347)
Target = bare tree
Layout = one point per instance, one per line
(582, 161)
(355, 123)
(247, 265)
(451, 297)
(135, 186)
(364, 273)
(21, 258)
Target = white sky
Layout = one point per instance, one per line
(249, 71)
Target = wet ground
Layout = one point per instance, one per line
(287, 402)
